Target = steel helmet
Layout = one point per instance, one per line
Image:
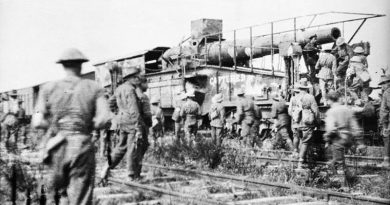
(155, 99)
(340, 41)
(130, 71)
(72, 54)
(358, 50)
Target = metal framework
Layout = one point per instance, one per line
(357, 17)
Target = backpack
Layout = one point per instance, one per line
(308, 117)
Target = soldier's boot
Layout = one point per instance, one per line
(386, 162)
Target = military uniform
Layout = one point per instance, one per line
(279, 111)
(21, 115)
(217, 119)
(157, 121)
(176, 116)
(302, 132)
(132, 129)
(257, 118)
(311, 52)
(190, 112)
(384, 119)
(343, 53)
(340, 127)
(327, 65)
(245, 117)
(11, 122)
(71, 107)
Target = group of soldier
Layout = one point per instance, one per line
(70, 109)
(337, 68)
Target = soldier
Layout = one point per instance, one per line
(190, 113)
(359, 52)
(311, 51)
(69, 109)
(257, 119)
(245, 116)
(279, 112)
(304, 112)
(176, 115)
(132, 127)
(10, 122)
(157, 119)
(341, 126)
(327, 65)
(217, 119)
(343, 53)
(21, 115)
(384, 118)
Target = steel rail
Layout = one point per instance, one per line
(290, 152)
(308, 190)
(179, 195)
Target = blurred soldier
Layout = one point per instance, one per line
(282, 123)
(341, 127)
(70, 109)
(245, 116)
(384, 118)
(181, 98)
(311, 51)
(157, 119)
(217, 119)
(131, 126)
(327, 65)
(257, 119)
(304, 112)
(21, 115)
(10, 122)
(190, 113)
(359, 52)
(343, 53)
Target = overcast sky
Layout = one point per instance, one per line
(34, 33)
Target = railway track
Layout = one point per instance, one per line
(190, 186)
(352, 161)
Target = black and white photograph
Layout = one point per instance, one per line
(177, 102)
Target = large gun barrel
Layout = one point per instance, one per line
(261, 46)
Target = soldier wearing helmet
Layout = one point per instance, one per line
(311, 51)
(343, 54)
(132, 125)
(384, 118)
(69, 109)
(157, 129)
(340, 126)
(180, 100)
(217, 119)
(190, 113)
(326, 65)
(245, 116)
(10, 121)
(359, 51)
